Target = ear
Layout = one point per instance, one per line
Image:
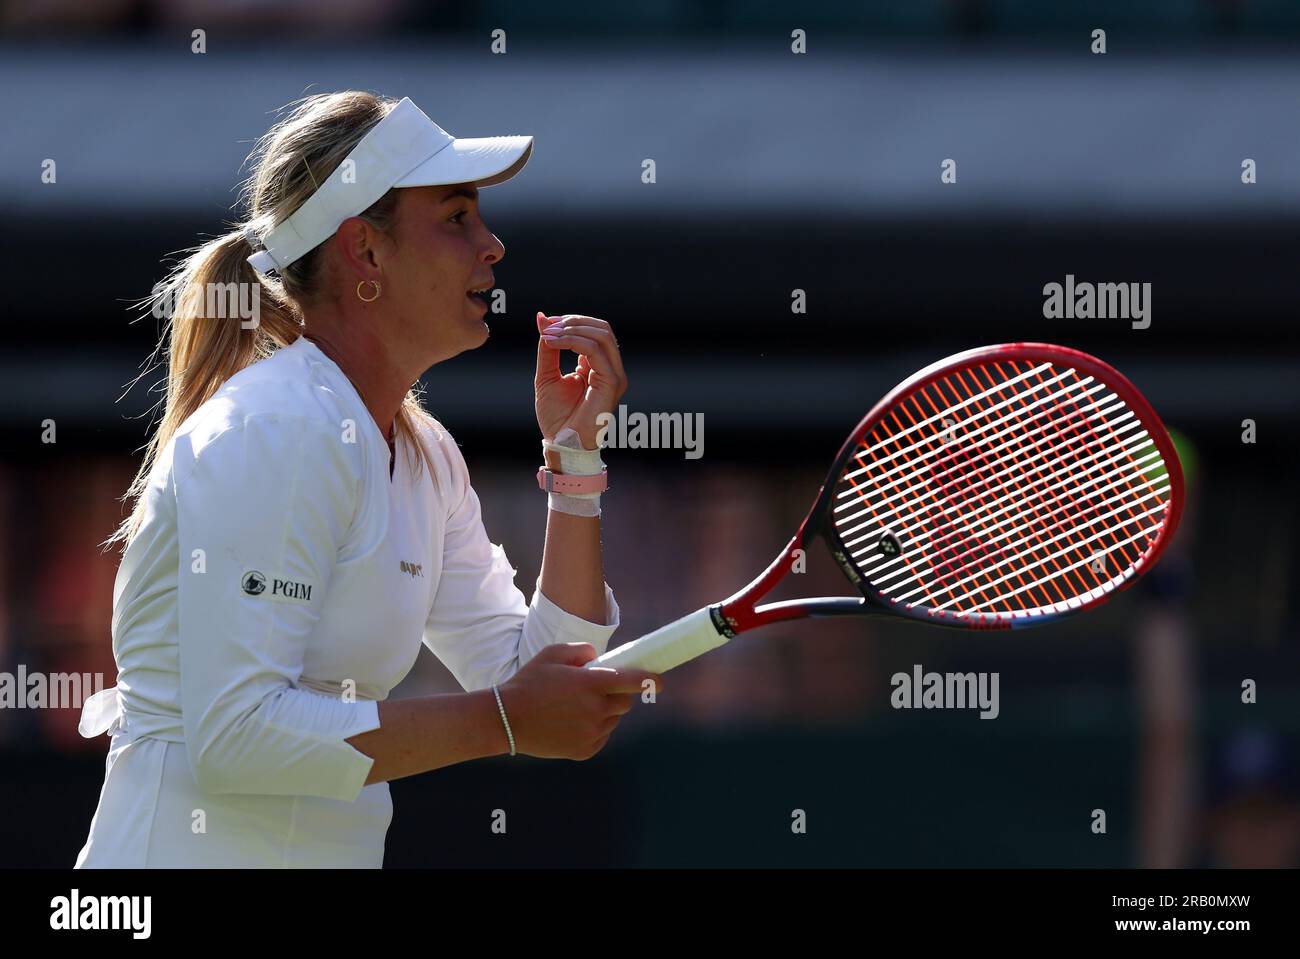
(361, 247)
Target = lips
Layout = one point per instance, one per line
(480, 291)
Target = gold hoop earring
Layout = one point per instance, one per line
(378, 290)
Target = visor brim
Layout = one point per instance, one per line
(483, 161)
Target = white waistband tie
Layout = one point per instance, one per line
(101, 713)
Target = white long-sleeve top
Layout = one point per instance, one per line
(279, 587)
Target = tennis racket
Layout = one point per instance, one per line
(999, 488)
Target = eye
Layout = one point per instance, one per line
(461, 213)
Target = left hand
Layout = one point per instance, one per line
(576, 399)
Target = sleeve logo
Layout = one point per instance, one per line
(256, 583)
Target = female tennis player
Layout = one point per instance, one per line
(301, 524)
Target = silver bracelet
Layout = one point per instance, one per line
(502, 709)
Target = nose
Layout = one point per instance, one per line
(494, 251)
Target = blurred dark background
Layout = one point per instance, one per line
(775, 172)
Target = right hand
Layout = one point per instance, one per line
(593, 389)
(558, 710)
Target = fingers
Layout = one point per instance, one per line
(599, 331)
(590, 337)
(620, 704)
(548, 356)
(602, 365)
(579, 318)
(614, 681)
(592, 329)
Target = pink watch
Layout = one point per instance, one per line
(568, 483)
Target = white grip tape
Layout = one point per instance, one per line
(667, 646)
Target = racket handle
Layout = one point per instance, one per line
(667, 646)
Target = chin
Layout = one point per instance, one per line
(472, 341)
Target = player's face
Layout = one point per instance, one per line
(443, 250)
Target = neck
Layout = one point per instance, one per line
(379, 381)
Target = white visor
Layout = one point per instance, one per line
(403, 149)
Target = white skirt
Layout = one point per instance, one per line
(152, 814)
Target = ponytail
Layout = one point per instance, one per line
(207, 346)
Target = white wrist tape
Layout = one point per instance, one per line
(574, 461)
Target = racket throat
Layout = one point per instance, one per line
(737, 613)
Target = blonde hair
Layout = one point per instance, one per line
(289, 160)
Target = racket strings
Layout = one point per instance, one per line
(911, 490)
(881, 522)
(940, 474)
(954, 425)
(1076, 503)
(1139, 491)
(921, 427)
(1045, 505)
(922, 498)
(1065, 429)
(1011, 492)
(1014, 521)
(1010, 515)
(928, 506)
(950, 543)
(1145, 479)
(1086, 505)
(956, 565)
(1035, 523)
(1042, 521)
